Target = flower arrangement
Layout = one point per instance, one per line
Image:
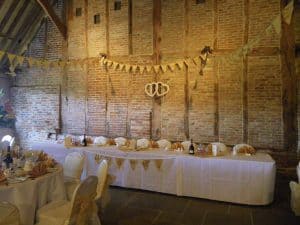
(7, 117)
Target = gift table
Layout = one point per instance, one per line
(238, 179)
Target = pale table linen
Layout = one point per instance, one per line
(31, 195)
(239, 179)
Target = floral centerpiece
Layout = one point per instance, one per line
(7, 117)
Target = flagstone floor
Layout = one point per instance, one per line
(136, 207)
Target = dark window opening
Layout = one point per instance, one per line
(118, 5)
(200, 1)
(97, 18)
(78, 12)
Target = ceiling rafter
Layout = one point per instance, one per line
(53, 17)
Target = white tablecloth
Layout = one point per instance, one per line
(239, 179)
(31, 195)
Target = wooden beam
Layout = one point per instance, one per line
(245, 73)
(297, 50)
(53, 17)
(156, 104)
(130, 19)
(216, 74)
(187, 75)
(289, 85)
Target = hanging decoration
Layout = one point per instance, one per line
(200, 61)
(156, 89)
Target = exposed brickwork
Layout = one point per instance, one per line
(113, 103)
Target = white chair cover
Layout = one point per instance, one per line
(100, 140)
(73, 165)
(81, 210)
(120, 141)
(164, 144)
(102, 175)
(142, 143)
(9, 214)
(295, 197)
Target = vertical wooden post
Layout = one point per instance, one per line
(187, 78)
(245, 74)
(106, 70)
(289, 84)
(130, 47)
(156, 105)
(216, 73)
(86, 19)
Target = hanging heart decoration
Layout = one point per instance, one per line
(158, 89)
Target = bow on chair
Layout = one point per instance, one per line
(97, 158)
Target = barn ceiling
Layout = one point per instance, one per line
(20, 20)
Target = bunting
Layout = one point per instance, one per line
(285, 15)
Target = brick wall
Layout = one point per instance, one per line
(232, 103)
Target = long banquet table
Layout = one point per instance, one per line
(239, 179)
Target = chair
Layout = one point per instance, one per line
(73, 167)
(164, 144)
(9, 214)
(295, 197)
(81, 210)
(102, 175)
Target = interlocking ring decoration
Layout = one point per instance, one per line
(158, 89)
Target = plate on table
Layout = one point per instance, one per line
(51, 170)
(17, 179)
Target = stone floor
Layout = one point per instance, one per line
(136, 207)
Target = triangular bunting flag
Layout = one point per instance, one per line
(172, 67)
(1, 54)
(102, 59)
(269, 29)
(121, 67)
(149, 69)
(146, 164)
(31, 62)
(109, 63)
(164, 68)
(133, 68)
(142, 69)
(277, 24)
(97, 158)
(196, 60)
(158, 163)
(20, 60)
(127, 68)
(116, 66)
(133, 163)
(186, 62)
(180, 65)
(11, 58)
(119, 162)
(108, 159)
(288, 12)
(156, 68)
(45, 64)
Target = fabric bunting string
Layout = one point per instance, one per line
(275, 24)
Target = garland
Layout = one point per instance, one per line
(200, 61)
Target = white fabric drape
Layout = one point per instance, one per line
(239, 179)
(31, 195)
